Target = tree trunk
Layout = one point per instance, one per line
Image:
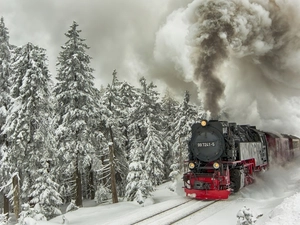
(16, 196)
(103, 176)
(78, 188)
(6, 206)
(112, 172)
(91, 184)
(180, 156)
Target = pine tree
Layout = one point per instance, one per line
(46, 191)
(138, 185)
(146, 122)
(118, 99)
(186, 115)
(146, 106)
(45, 188)
(154, 154)
(169, 109)
(128, 95)
(77, 110)
(27, 123)
(5, 58)
(114, 123)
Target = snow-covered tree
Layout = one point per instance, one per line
(5, 59)
(27, 124)
(128, 95)
(3, 219)
(77, 111)
(245, 216)
(186, 115)
(102, 194)
(138, 185)
(146, 124)
(115, 118)
(154, 154)
(30, 215)
(95, 171)
(169, 111)
(45, 192)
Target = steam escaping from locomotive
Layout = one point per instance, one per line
(242, 54)
(222, 28)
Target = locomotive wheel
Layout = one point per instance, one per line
(235, 178)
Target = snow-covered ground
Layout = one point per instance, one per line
(275, 197)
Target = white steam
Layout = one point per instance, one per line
(243, 55)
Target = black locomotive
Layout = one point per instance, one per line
(223, 157)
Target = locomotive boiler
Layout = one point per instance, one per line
(223, 157)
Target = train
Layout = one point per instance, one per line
(224, 157)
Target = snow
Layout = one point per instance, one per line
(273, 200)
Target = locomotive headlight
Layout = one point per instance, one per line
(191, 165)
(203, 123)
(216, 165)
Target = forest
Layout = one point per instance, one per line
(62, 140)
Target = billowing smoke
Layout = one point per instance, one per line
(221, 28)
(244, 56)
(208, 36)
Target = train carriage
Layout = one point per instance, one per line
(280, 148)
(296, 144)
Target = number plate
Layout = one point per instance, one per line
(206, 144)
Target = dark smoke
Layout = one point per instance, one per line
(209, 50)
(242, 54)
(219, 28)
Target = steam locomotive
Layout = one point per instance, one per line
(223, 157)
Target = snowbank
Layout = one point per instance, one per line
(288, 212)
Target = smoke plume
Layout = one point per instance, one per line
(244, 57)
(222, 28)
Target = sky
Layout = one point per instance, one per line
(237, 57)
(121, 34)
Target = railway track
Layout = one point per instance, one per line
(175, 213)
(206, 213)
(140, 216)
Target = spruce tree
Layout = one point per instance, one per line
(77, 111)
(146, 122)
(186, 115)
(138, 185)
(117, 100)
(27, 125)
(46, 191)
(169, 110)
(5, 58)
(154, 154)
(45, 187)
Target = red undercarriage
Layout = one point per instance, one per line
(207, 194)
(215, 184)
